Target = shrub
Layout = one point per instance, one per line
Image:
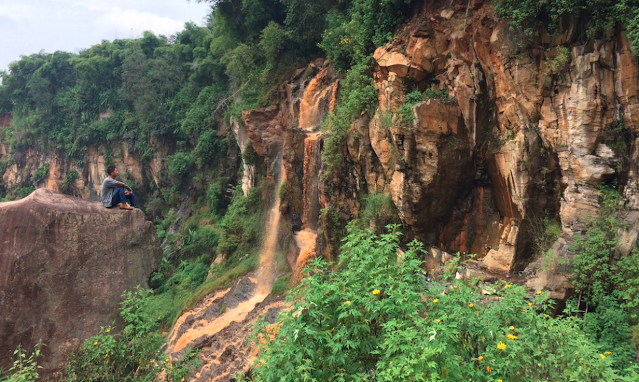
(209, 147)
(69, 180)
(358, 94)
(25, 366)
(527, 17)
(40, 175)
(23, 192)
(180, 165)
(273, 38)
(241, 227)
(377, 319)
(134, 354)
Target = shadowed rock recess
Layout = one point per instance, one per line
(64, 263)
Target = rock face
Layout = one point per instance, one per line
(507, 136)
(64, 263)
(91, 170)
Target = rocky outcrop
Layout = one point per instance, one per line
(64, 263)
(507, 135)
(26, 161)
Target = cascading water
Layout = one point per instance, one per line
(264, 278)
(318, 97)
(312, 162)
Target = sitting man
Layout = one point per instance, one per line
(116, 193)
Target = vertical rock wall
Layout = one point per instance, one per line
(64, 262)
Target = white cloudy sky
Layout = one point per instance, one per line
(29, 26)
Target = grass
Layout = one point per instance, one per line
(281, 285)
(224, 281)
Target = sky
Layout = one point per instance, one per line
(31, 26)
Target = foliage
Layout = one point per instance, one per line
(69, 180)
(357, 94)
(378, 208)
(209, 147)
(40, 174)
(23, 192)
(594, 252)
(377, 319)
(133, 354)
(25, 366)
(559, 63)
(527, 17)
(607, 284)
(354, 32)
(180, 165)
(242, 225)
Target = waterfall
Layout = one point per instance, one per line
(264, 278)
(312, 163)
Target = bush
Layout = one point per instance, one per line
(209, 147)
(69, 180)
(377, 319)
(134, 354)
(273, 38)
(241, 227)
(25, 366)
(180, 165)
(527, 17)
(358, 94)
(40, 175)
(23, 192)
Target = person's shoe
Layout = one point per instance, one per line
(124, 206)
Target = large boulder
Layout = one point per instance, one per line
(64, 262)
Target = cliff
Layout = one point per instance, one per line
(506, 136)
(64, 263)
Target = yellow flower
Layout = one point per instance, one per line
(538, 292)
(347, 303)
(471, 305)
(95, 343)
(501, 346)
(511, 337)
(511, 327)
(489, 369)
(499, 380)
(546, 315)
(438, 320)
(108, 330)
(435, 301)
(480, 358)
(376, 291)
(602, 356)
(608, 352)
(167, 360)
(530, 304)
(507, 286)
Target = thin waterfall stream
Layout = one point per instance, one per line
(264, 278)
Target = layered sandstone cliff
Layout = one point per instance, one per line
(64, 262)
(519, 134)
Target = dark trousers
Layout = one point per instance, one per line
(119, 197)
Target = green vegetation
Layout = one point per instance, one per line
(607, 283)
(40, 175)
(378, 319)
(133, 354)
(25, 366)
(357, 94)
(528, 17)
(378, 209)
